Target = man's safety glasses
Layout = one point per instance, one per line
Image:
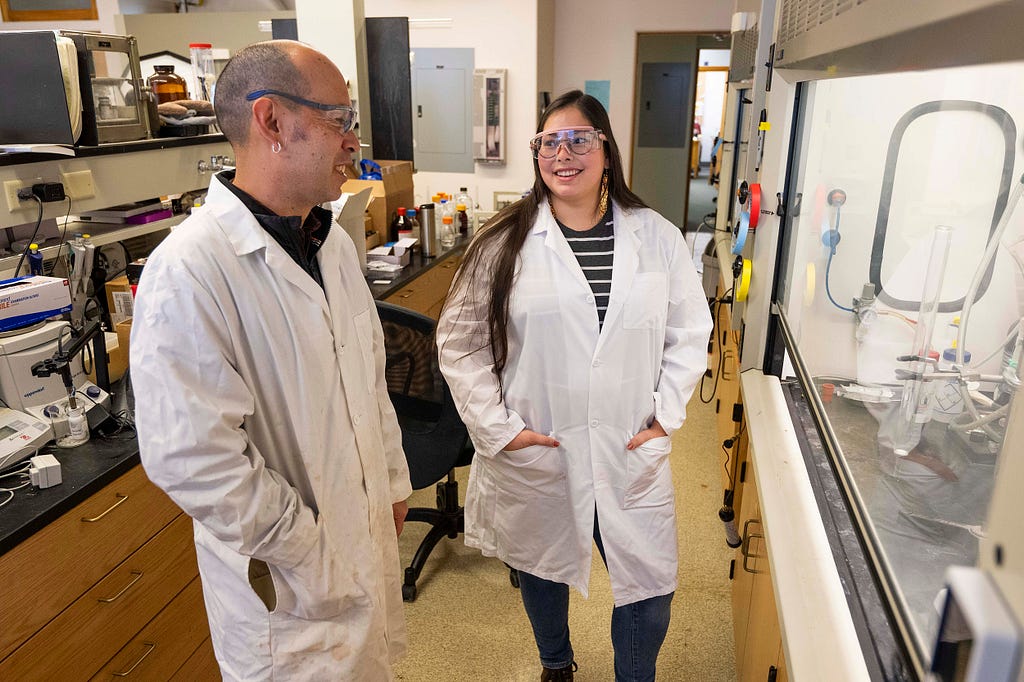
(341, 115)
(546, 145)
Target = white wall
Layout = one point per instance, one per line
(503, 34)
(599, 43)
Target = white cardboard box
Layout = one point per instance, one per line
(29, 299)
(397, 253)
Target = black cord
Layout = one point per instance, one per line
(32, 239)
(721, 352)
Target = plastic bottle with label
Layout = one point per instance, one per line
(448, 232)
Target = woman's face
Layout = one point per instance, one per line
(572, 177)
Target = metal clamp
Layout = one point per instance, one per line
(114, 506)
(149, 649)
(745, 546)
(137, 578)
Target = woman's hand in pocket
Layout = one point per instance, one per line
(526, 438)
(653, 431)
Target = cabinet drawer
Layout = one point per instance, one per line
(77, 643)
(425, 293)
(165, 643)
(60, 562)
(201, 666)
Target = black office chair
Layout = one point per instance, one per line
(433, 435)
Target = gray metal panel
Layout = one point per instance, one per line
(443, 109)
(664, 96)
(876, 36)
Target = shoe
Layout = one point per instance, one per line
(559, 674)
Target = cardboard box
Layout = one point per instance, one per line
(117, 357)
(29, 299)
(393, 190)
(120, 300)
(397, 253)
(371, 235)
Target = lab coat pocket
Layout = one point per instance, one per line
(646, 305)
(533, 471)
(318, 588)
(648, 476)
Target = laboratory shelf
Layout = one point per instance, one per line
(99, 233)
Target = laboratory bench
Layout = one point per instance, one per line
(422, 284)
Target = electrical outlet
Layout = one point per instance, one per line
(11, 188)
(79, 184)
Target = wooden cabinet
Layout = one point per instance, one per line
(425, 294)
(109, 586)
(759, 653)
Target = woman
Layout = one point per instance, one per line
(572, 339)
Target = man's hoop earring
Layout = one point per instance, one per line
(276, 147)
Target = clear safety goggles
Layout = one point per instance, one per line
(341, 116)
(545, 145)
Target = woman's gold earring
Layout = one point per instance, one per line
(602, 205)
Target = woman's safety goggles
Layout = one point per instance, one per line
(545, 145)
(341, 116)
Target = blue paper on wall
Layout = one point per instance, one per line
(600, 90)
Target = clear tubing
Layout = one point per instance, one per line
(915, 407)
(993, 245)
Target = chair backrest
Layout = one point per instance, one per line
(433, 436)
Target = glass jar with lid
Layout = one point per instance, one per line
(167, 85)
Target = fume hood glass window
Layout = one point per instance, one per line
(905, 292)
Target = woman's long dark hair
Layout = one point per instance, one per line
(507, 231)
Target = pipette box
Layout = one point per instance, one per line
(25, 300)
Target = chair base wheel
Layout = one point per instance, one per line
(408, 593)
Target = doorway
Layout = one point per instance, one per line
(664, 146)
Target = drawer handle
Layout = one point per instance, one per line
(149, 649)
(407, 295)
(745, 546)
(137, 578)
(112, 508)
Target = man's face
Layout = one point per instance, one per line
(317, 144)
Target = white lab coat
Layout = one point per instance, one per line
(592, 390)
(262, 411)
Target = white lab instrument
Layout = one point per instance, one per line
(45, 398)
(20, 435)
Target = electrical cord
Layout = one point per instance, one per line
(32, 239)
(124, 423)
(721, 353)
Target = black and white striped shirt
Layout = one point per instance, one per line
(594, 249)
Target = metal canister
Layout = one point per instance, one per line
(428, 231)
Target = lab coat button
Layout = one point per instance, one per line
(594, 423)
(356, 419)
(590, 299)
(597, 363)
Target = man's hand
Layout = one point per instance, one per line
(399, 510)
(654, 431)
(526, 437)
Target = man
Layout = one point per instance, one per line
(261, 404)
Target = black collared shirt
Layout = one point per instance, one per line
(300, 240)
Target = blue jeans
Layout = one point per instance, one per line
(638, 629)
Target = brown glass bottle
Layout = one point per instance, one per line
(167, 85)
